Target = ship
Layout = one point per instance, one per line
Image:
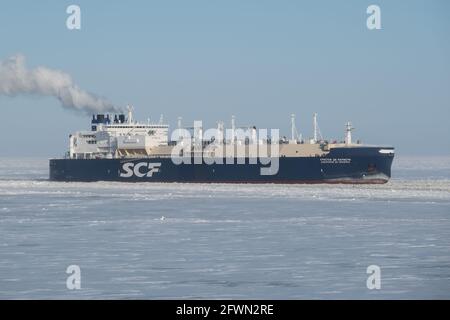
(118, 148)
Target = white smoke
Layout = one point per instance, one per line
(16, 79)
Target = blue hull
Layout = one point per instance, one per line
(340, 165)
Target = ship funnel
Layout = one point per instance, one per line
(100, 118)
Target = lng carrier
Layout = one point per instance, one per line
(118, 148)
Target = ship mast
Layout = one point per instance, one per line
(130, 113)
(233, 128)
(348, 130)
(294, 133)
(292, 127)
(315, 127)
(220, 130)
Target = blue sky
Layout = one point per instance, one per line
(259, 60)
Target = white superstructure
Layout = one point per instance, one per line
(119, 136)
(111, 138)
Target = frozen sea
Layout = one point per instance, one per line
(225, 241)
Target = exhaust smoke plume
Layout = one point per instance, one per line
(16, 79)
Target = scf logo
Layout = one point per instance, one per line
(140, 169)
